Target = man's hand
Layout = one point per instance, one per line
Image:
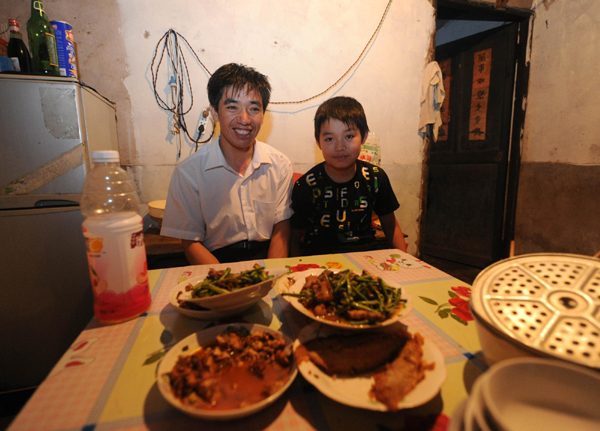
(280, 240)
(197, 254)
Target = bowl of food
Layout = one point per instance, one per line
(223, 289)
(197, 312)
(347, 300)
(227, 372)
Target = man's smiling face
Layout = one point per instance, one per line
(240, 114)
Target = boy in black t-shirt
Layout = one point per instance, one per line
(333, 202)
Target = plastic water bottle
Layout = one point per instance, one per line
(113, 231)
(371, 150)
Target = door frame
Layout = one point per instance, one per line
(467, 10)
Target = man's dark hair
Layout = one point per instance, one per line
(345, 109)
(238, 77)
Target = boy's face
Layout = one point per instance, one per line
(240, 114)
(340, 144)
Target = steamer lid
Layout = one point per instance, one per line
(548, 302)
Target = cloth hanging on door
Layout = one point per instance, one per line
(432, 97)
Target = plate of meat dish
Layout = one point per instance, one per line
(386, 370)
(347, 300)
(227, 371)
(222, 293)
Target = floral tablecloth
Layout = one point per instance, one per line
(107, 378)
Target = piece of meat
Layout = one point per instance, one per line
(322, 288)
(354, 354)
(320, 310)
(365, 315)
(401, 375)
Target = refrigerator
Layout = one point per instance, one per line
(48, 129)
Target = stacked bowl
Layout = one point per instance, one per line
(531, 394)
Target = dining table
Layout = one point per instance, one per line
(107, 379)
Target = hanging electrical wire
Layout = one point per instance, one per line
(179, 83)
(349, 69)
(181, 80)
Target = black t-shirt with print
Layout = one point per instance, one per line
(333, 213)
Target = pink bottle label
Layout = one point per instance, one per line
(118, 267)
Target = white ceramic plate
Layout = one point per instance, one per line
(205, 314)
(354, 391)
(297, 286)
(202, 338)
(226, 304)
(237, 298)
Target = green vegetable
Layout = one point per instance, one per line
(223, 281)
(354, 292)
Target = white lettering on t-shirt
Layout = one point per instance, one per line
(365, 172)
(361, 202)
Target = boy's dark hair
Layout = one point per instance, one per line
(238, 77)
(345, 109)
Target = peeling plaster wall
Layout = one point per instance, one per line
(558, 207)
(303, 55)
(303, 46)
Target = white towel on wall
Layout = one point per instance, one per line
(432, 97)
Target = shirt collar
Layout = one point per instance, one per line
(260, 156)
(216, 159)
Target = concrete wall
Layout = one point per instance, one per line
(558, 206)
(303, 46)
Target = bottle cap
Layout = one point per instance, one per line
(109, 156)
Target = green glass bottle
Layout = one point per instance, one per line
(42, 42)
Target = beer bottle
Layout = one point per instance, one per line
(16, 50)
(42, 42)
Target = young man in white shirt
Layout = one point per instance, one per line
(230, 201)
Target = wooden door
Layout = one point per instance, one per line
(464, 217)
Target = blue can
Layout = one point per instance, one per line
(67, 63)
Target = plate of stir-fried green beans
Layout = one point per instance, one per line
(346, 299)
(223, 289)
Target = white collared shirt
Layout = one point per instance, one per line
(210, 202)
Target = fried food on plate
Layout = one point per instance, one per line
(395, 357)
(353, 354)
(401, 375)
